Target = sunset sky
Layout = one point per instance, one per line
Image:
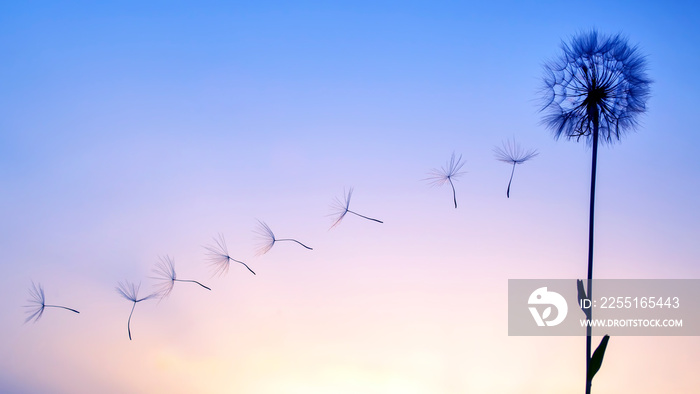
(131, 130)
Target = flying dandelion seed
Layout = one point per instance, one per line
(219, 259)
(342, 208)
(38, 299)
(512, 153)
(165, 271)
(595, 90)
(446, 174)
(267, 238)
(130, 291)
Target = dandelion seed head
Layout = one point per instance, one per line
(265, 237)
(596, 77)
(130, 291)
(512, 153)
(37, 299)
(166, 275)
(450, 171)
(218, 256)
(341, 208)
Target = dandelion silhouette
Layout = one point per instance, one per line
(165, 271)
(595, 90)
(38, 299)
(268, 239)
(342, 208)
(130, 291)
(446, 174)
(219, 258)
(512, 153)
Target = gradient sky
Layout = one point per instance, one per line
(132, 130)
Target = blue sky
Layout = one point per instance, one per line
(132, 130)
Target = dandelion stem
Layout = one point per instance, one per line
(511, 180)
(363, 216)
(246, 265)
(58, 306)
(454, 193)
(192, 281)
(128, 323)
(594, 162)
(290, 239)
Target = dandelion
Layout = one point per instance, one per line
(130, 291)
(219, 258)
(38, 301)
(512, 153)
(267, 238)
(342, 208)
(165, 271)
(446, 174)
(596, 91)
